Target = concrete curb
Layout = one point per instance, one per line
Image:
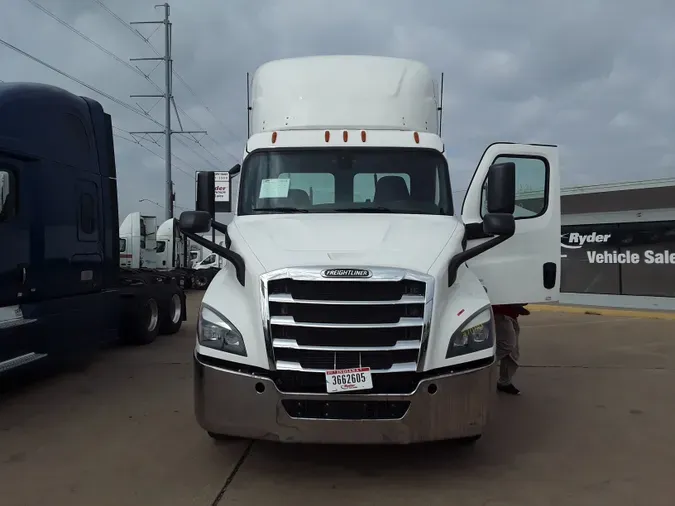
(630, 313)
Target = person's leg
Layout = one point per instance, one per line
(508, 331)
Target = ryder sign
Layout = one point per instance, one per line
(598, 250)
(221, 192)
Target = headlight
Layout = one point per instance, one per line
(217, 332)
(475, 335)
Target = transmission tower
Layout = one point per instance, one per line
(168, 101)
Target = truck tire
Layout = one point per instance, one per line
(171, 314)
(200, 281)
(142, 326)
(188, 282)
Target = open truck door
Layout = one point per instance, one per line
(526, 267)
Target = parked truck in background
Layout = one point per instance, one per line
(138, 242)
(163, 249)
(62, 290)
(208, 265)
(355, 306)
(195, 254)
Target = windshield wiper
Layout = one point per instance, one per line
(280, 209)
(377, 209)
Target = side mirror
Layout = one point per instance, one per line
(214, 194)
(503, 224)
(195, 222)
(501, 188)
(206, 191)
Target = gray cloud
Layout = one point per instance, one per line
(596, 77)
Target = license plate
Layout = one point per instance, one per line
(344, 380)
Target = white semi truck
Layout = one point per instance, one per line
(147, 247)
(138, 242)
(207, 265)
(355, 306)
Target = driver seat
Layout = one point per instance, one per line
(390, 188)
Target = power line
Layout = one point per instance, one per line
(138, 34)
(206, 160)
(94, 43)
(78, 81)
(132, 140)
(168, 102)
(133, 68)
(160, 205)
(138, 141)
(175, 72)
(94, 89)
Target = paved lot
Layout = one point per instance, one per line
(594, 426)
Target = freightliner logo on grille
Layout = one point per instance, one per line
(346, 273)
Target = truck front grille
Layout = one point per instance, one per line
(314, 324)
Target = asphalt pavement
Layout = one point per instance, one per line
(594, 426)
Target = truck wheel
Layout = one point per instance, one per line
(188, 283)
(200, 281)
(144, 325)
(172, 314)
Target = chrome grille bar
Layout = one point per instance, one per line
(403, 322)
(288, 298)
(291, 344)
(294, 366)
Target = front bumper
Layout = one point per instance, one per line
(247, 405)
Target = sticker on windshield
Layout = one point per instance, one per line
(274, 188)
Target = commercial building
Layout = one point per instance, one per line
(618, 245)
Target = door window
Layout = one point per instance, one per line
(531, 186)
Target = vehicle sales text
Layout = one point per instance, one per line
(665, 257)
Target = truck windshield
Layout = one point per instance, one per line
(346, 180)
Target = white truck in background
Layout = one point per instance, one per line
(144, 246)
(355, 306)
(195, 255)
(138, 242)
(208, 265)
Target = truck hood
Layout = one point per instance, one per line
(406, 241)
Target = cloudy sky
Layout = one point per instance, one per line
(596, 77)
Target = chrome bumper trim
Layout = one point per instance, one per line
(249, 406)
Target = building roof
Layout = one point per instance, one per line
(625, 196)
(612, 197)
(620, 186)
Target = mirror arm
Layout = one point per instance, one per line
(229, 255)
(457, 261)
(222, 228)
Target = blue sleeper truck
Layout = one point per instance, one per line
(62, 292)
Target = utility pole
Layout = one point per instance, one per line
(168, 100)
